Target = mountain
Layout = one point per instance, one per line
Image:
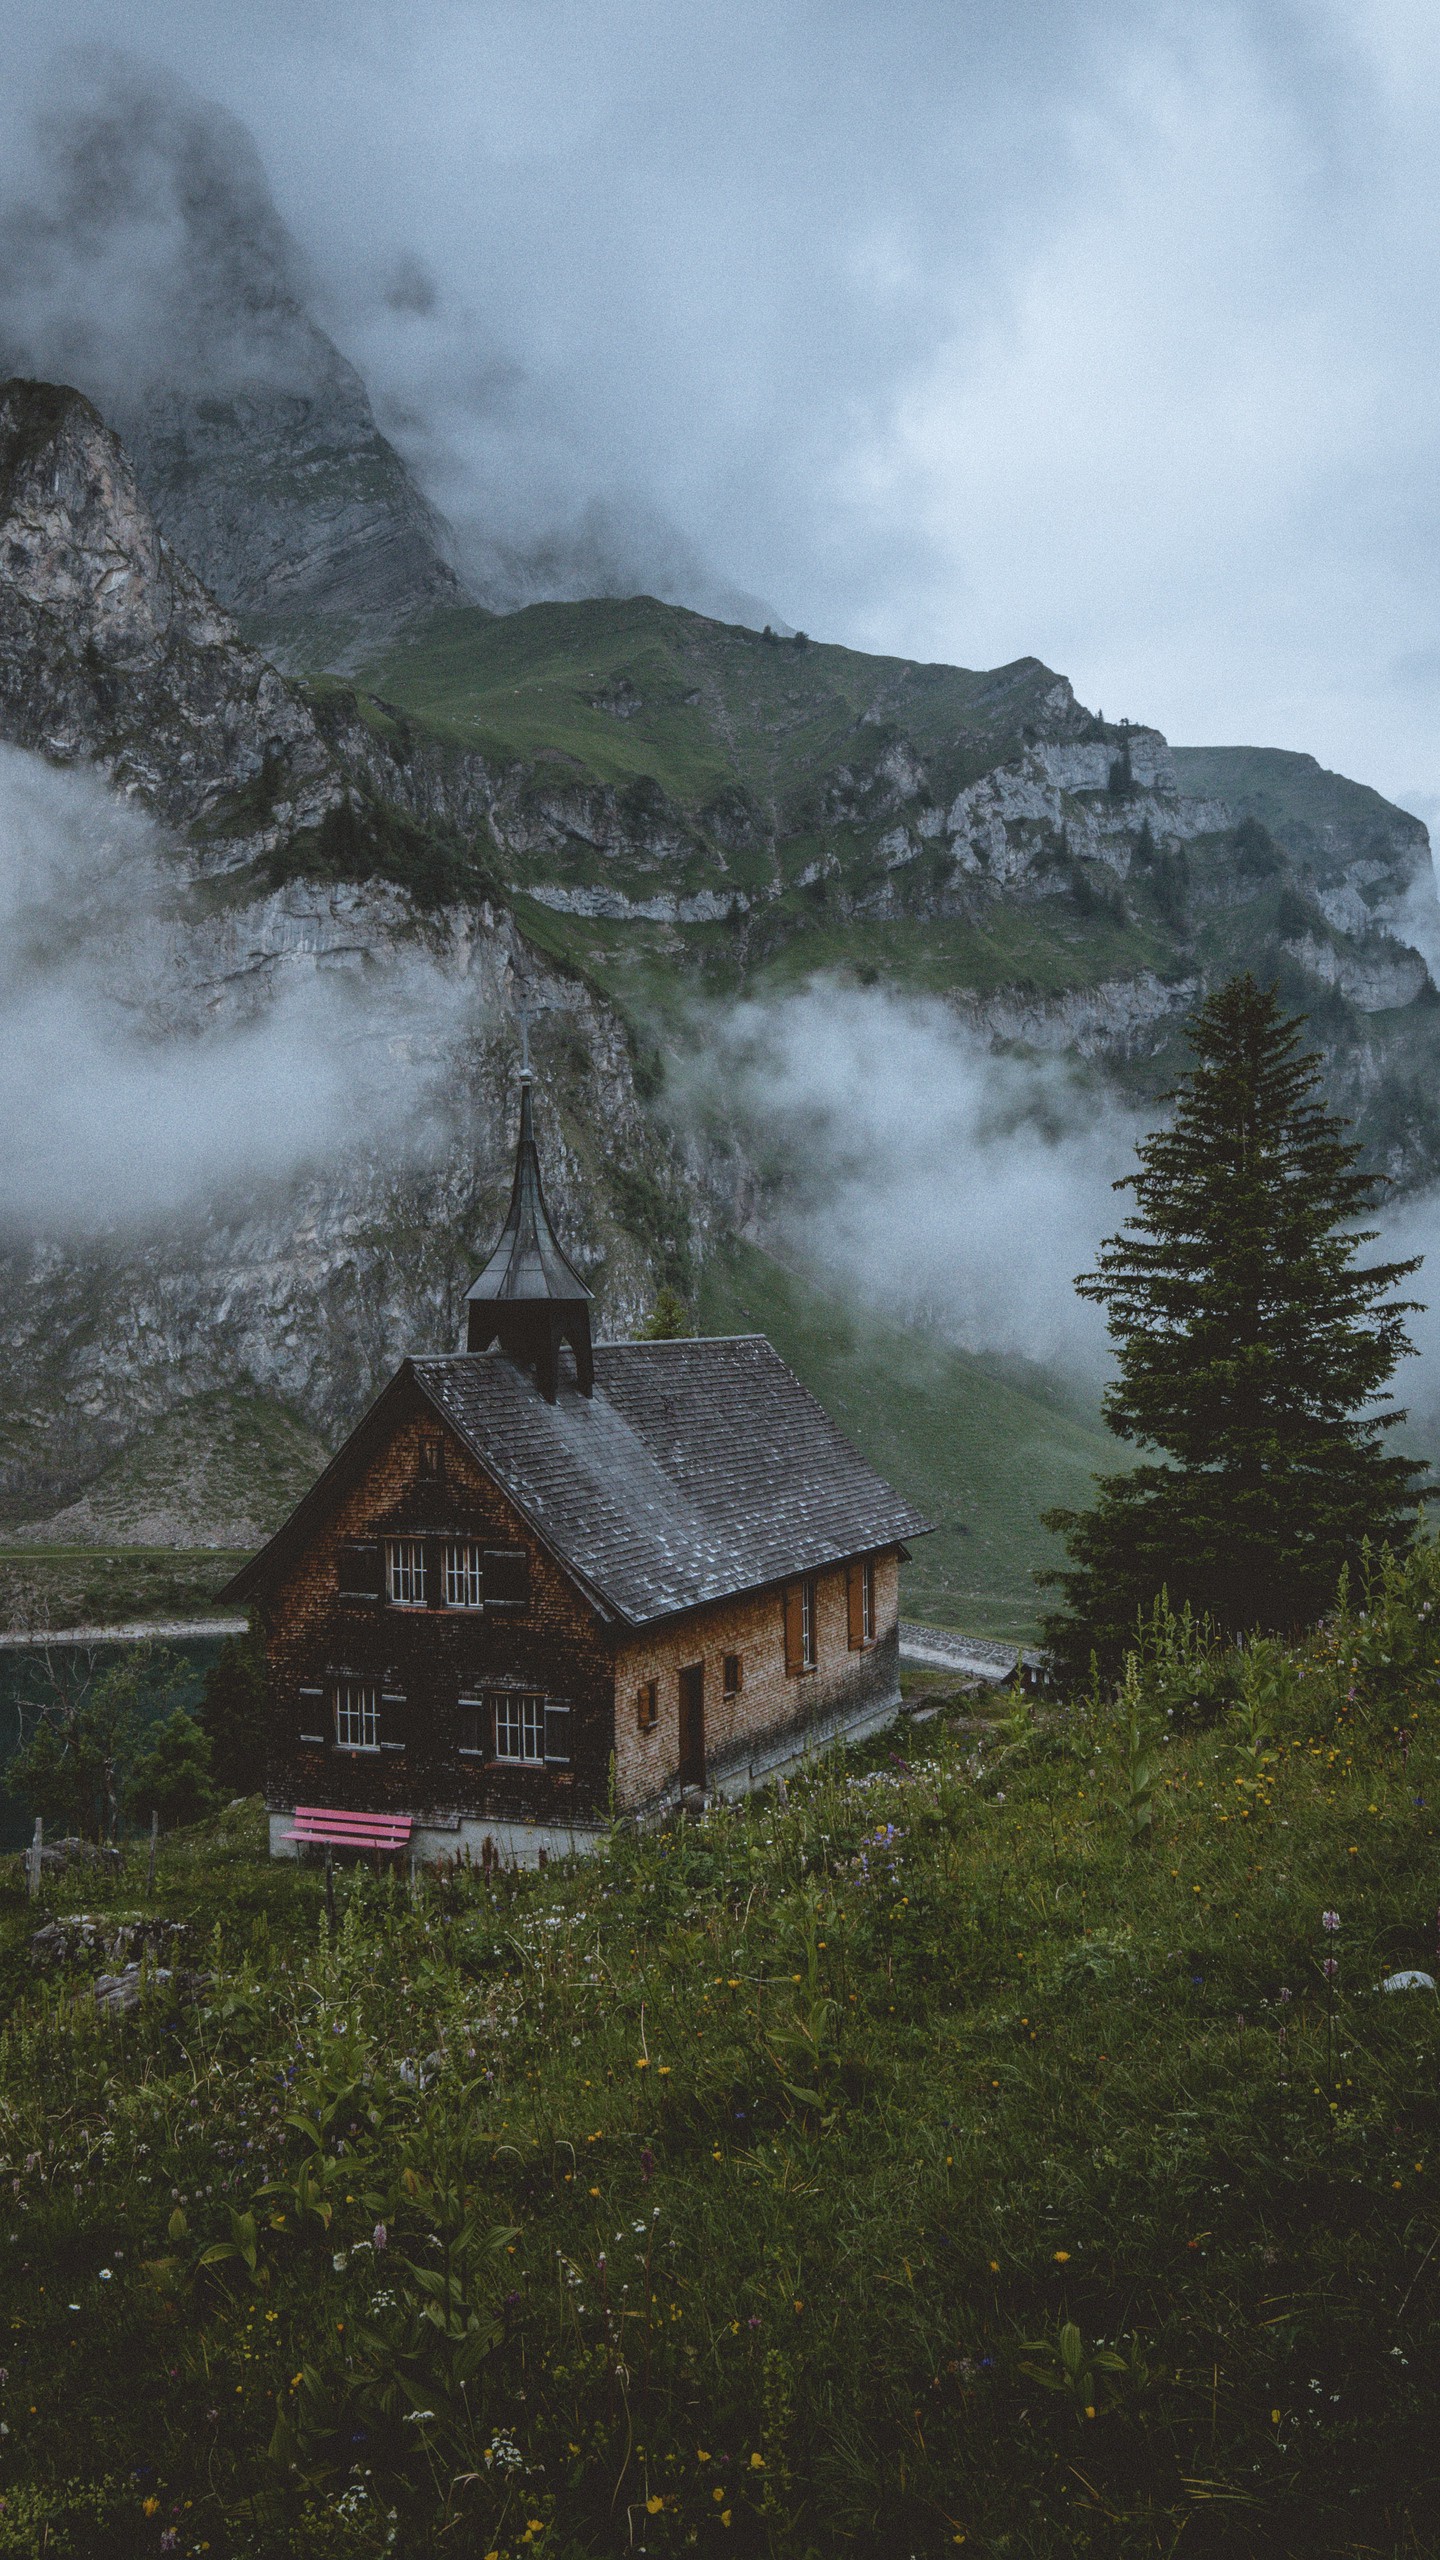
(683, 805)
(295, 509)
(603, 812)
(307, 905)
(151, 268)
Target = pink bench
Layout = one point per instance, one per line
(329, 1825)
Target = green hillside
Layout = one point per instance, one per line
(963, 2151)
(981, 1455)
(1307, 809)
(637, 690)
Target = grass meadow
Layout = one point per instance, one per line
(981, 2144)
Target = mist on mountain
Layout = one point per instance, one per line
(133, 1092)
(146, 263)
(942, 1185)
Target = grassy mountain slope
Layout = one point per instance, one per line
(1306, 808)
(766, 2210)
(220, 1470)
(641, 690)
(980, 1454)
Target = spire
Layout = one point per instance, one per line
(529, 1298)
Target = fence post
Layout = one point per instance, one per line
(36, 1858)
(154, 1837)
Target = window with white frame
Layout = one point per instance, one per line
(464, 1575)
(405, 1572)
(357, 1716)
(519, 1727)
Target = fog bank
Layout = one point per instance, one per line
(131, 1089)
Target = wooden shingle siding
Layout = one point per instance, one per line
(424, 1660)
(771, 1705)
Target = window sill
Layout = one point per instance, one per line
(518, 1764)
(356, 1750)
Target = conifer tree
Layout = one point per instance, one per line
(1251, 1344)
(669, 1318)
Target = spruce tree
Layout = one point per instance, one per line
(669, 1318)
(1251, 1345)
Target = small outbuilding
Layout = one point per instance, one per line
(546, 1578)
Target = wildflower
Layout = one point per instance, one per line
(1330, 1968)
(757, 2461)
(653, 2506)
(380, 2236)
(1330, 1920)
(1062, 2257)
(150, 2506)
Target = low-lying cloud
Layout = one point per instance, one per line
(924, 1176)
(133, 1090)
(935, 1181)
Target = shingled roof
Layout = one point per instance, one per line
(697, 1469)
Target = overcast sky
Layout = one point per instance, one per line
(1107, 332)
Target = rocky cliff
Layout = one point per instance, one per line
(306, 1283)
(151, 268)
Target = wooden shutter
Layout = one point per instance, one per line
(360, 1569)
(557, 1732)
(855, 1604)
(794, 1627)
(312, 1715)
(507, 1578)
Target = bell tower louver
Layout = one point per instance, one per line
(529, 1299)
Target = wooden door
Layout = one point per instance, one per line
(692, 1725)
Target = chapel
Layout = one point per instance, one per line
(548, 1579)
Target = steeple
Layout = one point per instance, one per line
(529, 1298)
